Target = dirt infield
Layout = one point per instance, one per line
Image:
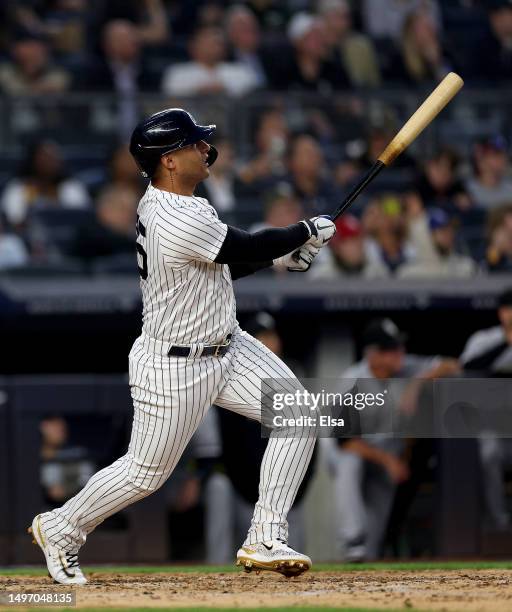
(468, 590)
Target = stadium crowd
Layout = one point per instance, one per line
(441, 212)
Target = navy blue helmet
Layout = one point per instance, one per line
(164, 132)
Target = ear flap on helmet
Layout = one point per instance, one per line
(212, 155)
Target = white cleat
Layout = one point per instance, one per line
(63, 566)
(275, 556)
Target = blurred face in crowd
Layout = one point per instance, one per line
(501, 23)
(501, 236)
(337, 22)
(444, 239)
(491, 160)
(349, 251)
(283, 211)
(440, 172)
(385, 363)
(208, 46)
(121, 41)
(31, 57)
(422, 29)
(117, 208)
(225, 160)
(270, 338)
(54, 432)
(306, 157)
(123, 168)
(312, 44)
(47, 161)
(272, 134)
(244, 31)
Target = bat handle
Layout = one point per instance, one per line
(367, 178)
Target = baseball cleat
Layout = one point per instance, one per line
(63, 566)
(275, 556)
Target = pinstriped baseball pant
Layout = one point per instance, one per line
(170, 398)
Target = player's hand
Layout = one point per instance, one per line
(321, 230)
(300, 260)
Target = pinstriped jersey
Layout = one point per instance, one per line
(187, 298)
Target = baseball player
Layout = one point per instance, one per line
(191, 352)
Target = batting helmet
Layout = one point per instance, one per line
(164, 132)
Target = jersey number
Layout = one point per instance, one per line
(143, 269)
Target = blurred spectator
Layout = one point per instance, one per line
(356, 51)
(223, 186)
(385, 18)
(124, 172)
(271, 14)
(244, 37)
(112, 231)
(421, 57)
(308, 176)
(12, 250)
(311, 68)
(121, 71)
(281, 209)
(31, 71)
(369, 468)
(439, 185)
(41, 183)
(207, 72)
(492, 59)
(148, 16)
(64, 468)
(346, 254)
(386, 228)
(271, 141)
(490, 185)
(432, 236)
(488, 352)
(499, 251)
(63, 22)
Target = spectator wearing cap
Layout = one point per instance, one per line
(355, 50)
(488, 352)
(498, 257)
(310, 67)
(346, 255)
(31, 70)
(432, 236)
(492, 60)
(208, 72)
(369, 467)
(490, 184)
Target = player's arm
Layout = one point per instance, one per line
(246, 252)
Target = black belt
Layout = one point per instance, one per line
(215, 350)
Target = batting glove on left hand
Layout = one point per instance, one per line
(321, 230)
(300, 260)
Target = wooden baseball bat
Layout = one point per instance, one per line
(426, 113)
